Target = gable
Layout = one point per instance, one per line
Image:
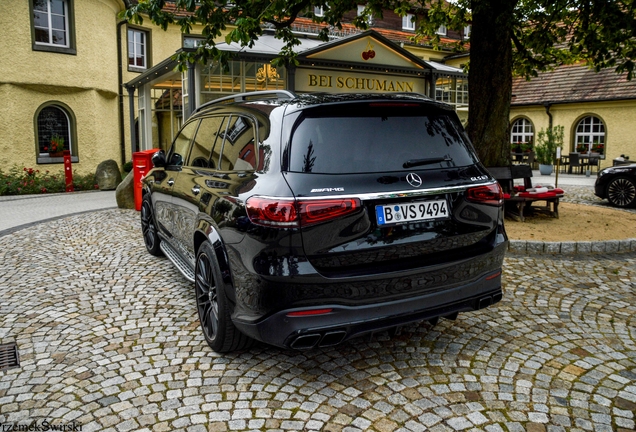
(368, 49)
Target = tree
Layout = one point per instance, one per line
(508, 36)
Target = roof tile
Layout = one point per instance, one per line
(573, 83)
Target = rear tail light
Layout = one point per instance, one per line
(291, 213)
(272, 212)
(316, 211)
(491, 194)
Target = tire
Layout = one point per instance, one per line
(621, 192)
(213, 306)
(149, 227)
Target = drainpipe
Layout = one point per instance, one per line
(547, 106)
(131, 108)
(120, 92)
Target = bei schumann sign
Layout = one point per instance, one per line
(313, 80)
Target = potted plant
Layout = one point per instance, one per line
(581, 148)
(598, 148)
(545, 150)
(56, 149)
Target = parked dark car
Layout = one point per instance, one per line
(306, 220)
(618, 185)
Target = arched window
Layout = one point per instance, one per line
(53, 130)
(522, 132)
(590, 135)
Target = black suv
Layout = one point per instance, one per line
(304, 220)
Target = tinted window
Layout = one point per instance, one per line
(238, 151)
(181, 143)
(375, 139)
(204, 142)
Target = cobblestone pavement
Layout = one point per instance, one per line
(108, 338)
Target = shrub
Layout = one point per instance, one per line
(127, 167)
(547, 143)
(31, 181)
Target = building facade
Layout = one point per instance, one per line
(62, 67)
(596, 109)
(73, 73)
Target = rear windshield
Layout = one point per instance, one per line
(377, 138)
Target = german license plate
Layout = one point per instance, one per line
(411, 212)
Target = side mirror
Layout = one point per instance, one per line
(159, 159)
(176, 160)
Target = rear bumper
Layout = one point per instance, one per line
(345, 322)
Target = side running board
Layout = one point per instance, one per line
(176, 259)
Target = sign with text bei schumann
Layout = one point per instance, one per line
(320, 80)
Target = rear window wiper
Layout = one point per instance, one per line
(428, 161)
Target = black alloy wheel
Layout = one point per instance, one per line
(212, 304)
(207, 297)
(621, 192)
(149, 228)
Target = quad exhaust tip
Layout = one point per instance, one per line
(313, 340)
(489, 300)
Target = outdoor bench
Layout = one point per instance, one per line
(520, 200)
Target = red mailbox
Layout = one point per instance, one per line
(142, 163)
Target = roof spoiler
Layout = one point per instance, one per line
(251, 96)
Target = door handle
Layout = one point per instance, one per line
(170, 182)
(196, 190)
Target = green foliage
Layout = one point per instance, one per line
(522, 37)
(31, 181)
(127, 167)
(57, 144)
(547, 142)
(546, 32)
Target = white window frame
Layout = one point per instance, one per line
(467, 32)
(522, 131)
(319, 11)
(590, 137)
(369, 18)
(442, 30)
(407, 22)
(142, 46)
(49, 27)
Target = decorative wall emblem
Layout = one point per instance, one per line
(267, 74)
(368, 54)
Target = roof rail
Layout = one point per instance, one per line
(249, 96)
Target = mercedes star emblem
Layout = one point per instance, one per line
(414, 180)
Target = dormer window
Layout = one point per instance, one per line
(408, 22)
(467, 32)
(368, 18)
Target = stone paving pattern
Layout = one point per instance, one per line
(108, 337)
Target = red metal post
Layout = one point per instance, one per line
(68, 171)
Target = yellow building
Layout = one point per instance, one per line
(62, 66)
(72, 73)
(597, 110)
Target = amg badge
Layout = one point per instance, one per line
(339, 189)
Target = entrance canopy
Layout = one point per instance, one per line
(363, 63)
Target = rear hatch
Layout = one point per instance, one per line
(387, 186)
